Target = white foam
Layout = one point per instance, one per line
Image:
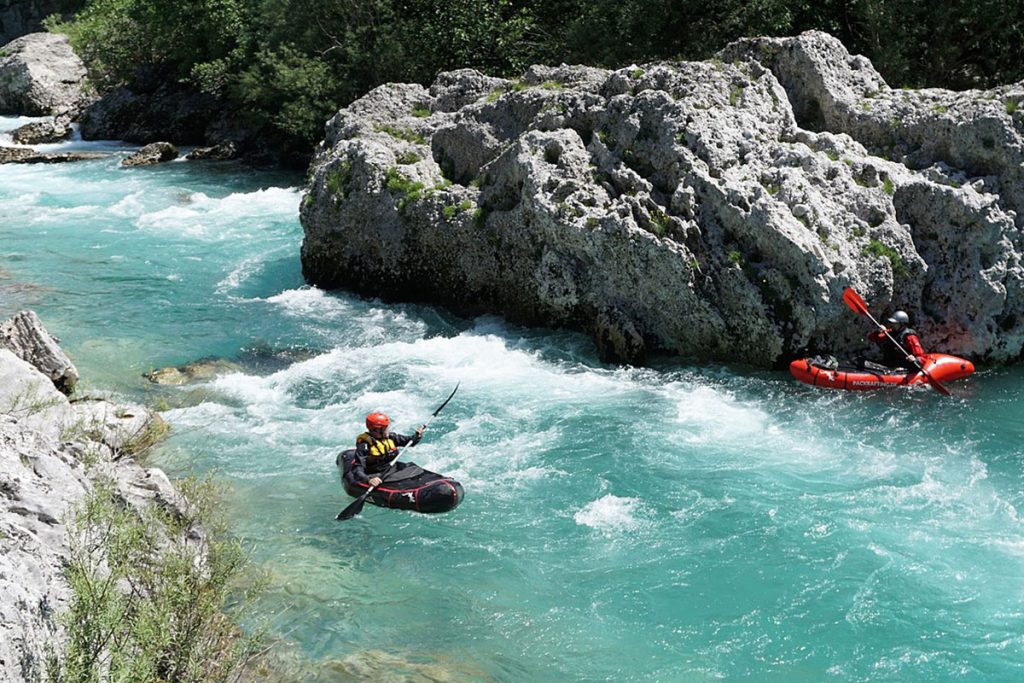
(709, 414)
(242, 272)
(610, 513)
(204, 217)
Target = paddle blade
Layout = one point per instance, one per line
(354, 508)
(854, 301)
(936, 386)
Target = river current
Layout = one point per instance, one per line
(669, 523)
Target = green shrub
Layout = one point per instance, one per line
(408, 158)
(480, 217)
(660, 222)
(408, 190)
(146, 603)
(735, 93)
(400, 133)
(421, 112)
(337, 180)
(880, 250)
(888, 187)
(453, 210)
(1011, 106)
(736, 258)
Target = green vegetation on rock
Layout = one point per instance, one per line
(880, 250)
(148, 603)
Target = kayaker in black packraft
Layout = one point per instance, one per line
(899, 329)
(376, 447)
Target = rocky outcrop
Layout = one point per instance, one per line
(221, 152)
(52, 452)
(24, 336)
(153, 153)
(48, 131)
(714, 210)
(157, 106)
(167, 112)
(40, 74)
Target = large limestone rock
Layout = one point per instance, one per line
(713, 210)
(40, 74)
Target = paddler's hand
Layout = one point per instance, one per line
(374, 481)
(912, 358)
(419, 432)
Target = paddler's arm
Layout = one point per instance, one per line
(358, 469)
(402, 439)
(915, 348)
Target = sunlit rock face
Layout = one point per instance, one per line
(714, 210)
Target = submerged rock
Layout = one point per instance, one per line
(198, 371)
(710, 209)
(25, 155)
(40, 74)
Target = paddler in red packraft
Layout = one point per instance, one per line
(899, 328)
(376, 447)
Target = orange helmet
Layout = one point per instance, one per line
(377, 421)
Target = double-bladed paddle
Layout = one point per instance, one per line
(356, 506)
(860, 307)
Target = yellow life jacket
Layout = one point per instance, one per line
(378, 451)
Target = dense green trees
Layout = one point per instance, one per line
(291, 63)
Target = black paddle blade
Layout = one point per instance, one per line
(354, 508)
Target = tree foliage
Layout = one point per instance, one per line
(290, 63)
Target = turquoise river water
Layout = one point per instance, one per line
(672, 523)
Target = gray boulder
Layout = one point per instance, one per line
(25, 336)
(715, 210)
(221, 152)
(51, 130)
(40, 74)
(154, 153)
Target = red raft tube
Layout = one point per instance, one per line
(819, 372)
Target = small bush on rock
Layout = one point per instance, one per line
(148, 598)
